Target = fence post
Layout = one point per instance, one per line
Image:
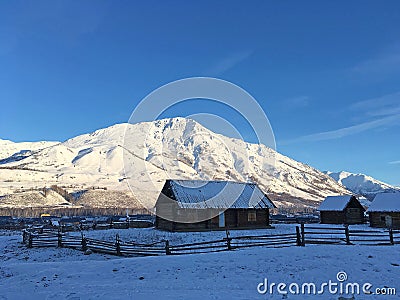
(391, 236)
(84, 243)
(30, 240)
(228, 240)
(117, 244)
(298, 236)
(24, 236)
(347, 233)
(303, 238)
(167, 249)
(59, 239)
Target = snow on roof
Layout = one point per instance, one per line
(385, 202)
(218, 194)
(335, 203)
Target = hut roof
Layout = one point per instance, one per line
(218, 194)
(335, 203)
(389, 202)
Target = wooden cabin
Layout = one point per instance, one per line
(384, 211)
(344, 209)
(194, 205)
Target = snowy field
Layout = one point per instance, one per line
(69, 274)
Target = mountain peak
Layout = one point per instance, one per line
(362, 184)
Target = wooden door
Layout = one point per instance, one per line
(221, 219)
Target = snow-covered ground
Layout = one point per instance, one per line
(69, 274)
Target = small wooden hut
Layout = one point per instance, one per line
(384, 211)
(193, 205)
(344, 209)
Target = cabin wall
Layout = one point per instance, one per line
(378, 219)
(262, 218)
(354, 212)
(234, 219)
(332, 217)
(166, 208)
(354, 215)
(164, 224)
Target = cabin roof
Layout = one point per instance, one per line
(335, 203)
(200, 194)
(388, 202)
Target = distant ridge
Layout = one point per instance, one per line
(362, 184)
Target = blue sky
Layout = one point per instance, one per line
(327, 73)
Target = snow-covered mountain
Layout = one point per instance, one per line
(9, 148)
(362, 184)
(176, 148)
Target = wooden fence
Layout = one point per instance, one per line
(51, 238)
(303, 235)
(345, 235)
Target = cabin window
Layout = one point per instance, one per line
(383, 218)
(252, 216)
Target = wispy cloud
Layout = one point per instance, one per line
(346, 131)
(228, 63)
(383, 64)
(395, 162)
(378, 112)
(381, 106)
(386, 62)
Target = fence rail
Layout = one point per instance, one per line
(303, 235)
(345, 235)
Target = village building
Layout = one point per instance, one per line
(384, 211)
(345, 209)
(193, 205)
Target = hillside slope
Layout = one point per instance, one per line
(154, 151)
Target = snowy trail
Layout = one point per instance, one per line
(68, 274)
(232, 275)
